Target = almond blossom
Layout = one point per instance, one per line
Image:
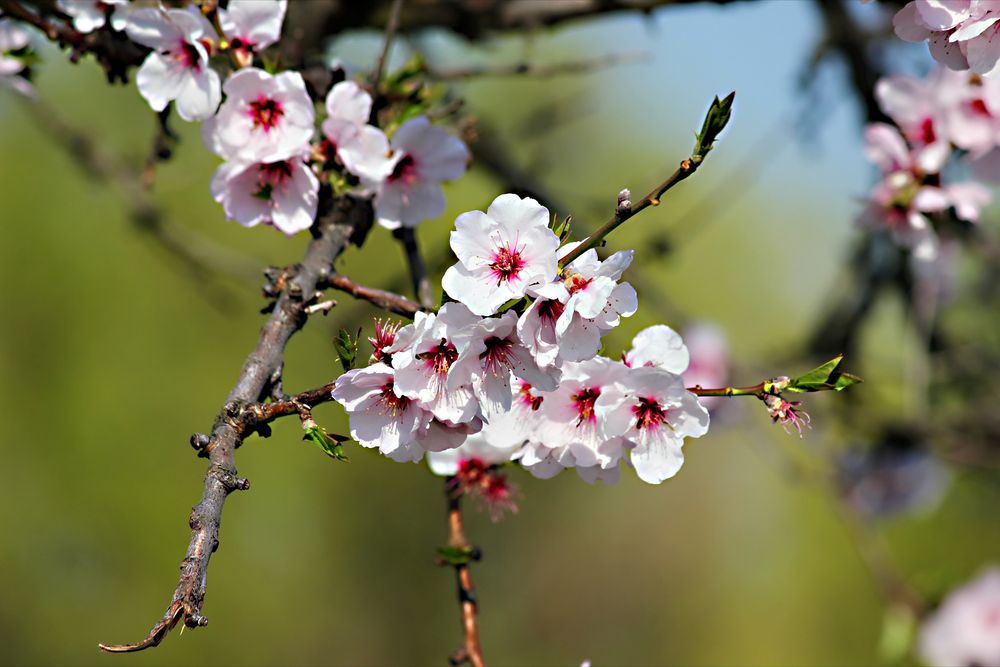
(502, 253)
(13, 38)
(89, 15)
(424, 156)
(423, 355)
(961, 34)
(658, 346)
(283, 193)
(265, 118)
(379, 418)
(651, 409)
(362, 148)
(965, 629)
(177, 70)
(251, 25)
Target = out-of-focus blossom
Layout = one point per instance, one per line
(961, 34)
(13, 38)
(177, 70)
(89, 15)
(965, 629)
(709, 365)
(658, 346)
(910, 187)
(362, 148)
(265, 118)
(424, 156)
(502, 253)
(251, 25)
(283, 193)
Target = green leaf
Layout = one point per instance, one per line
(898, 629)
(347, 348)
(456, 556)
(715, 121)
(827, 377)
(331, 444)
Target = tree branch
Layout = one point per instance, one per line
(390, 301)
(462, 553)
(407, 236)
(332, 233)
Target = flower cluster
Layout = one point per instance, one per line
(961, 34)
(947, 114)
(510, 370)
(264, 126)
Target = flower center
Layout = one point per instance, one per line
(270, 176)
(497, 357)
(979, 108)
(405, 171)
(391, 404)
(926, 133)
(189, 56)
(575, 282)
(550, 310)
(440, 357)
(265, 112)
(507, 263)
(584, 401)
(649, 414)
(526, 397)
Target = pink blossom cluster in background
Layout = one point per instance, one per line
(961, 34)
(479, 382)
(947, 120)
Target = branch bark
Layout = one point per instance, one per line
(332, 233)
(471, 651)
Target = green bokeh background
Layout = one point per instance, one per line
(112, 353)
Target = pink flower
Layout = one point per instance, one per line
(265, 118)
(424, 155)
(658, 346)
(283, 193)
(89, 15)
(965, 629)
(252, 25)
(502, 254)
(961, 34)
(177, 70)
(709, 365)
(491, 353)
(362, 148)
(379, 417)
(652, 410)
(423, 355)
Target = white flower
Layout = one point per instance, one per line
(177, 70)
(423, 354)
(265, 118)
(252, 25)
(89, 15)
(491, 352)
(651, 409)
(501, 253)
(284, 193)
(658, 346)
(379, 418)
(476, 446)
(363, 148)
(570, 420)
(13, 38)
(965, 629)
(423, 156)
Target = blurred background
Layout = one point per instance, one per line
(113, 351)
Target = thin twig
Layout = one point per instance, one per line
(471, 650)
(333, 232)
(407, 236)
(390, 33)
(536, 70)
(390, 301)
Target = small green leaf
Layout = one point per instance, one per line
(331, 444)
(456, 556)
(347, 348)
(715, 121)
(827, 377)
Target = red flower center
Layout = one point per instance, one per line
(649, 414)
(525, 396)
(405, 171)
(497, 357)
(391, 404)
(978, 107)
(926, 133)
(440, 357)
(265, 112)
(189, 56)
(584, 403)
(550, 310)
(507, 263)
(576, 282)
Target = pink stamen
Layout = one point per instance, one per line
(497, 357)
(525, 396)
(585, 400)
(576, 282)
(266, 113)
(507, 263)
(390, 403)
(405, 171)
(439, 358)
(649, 414)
